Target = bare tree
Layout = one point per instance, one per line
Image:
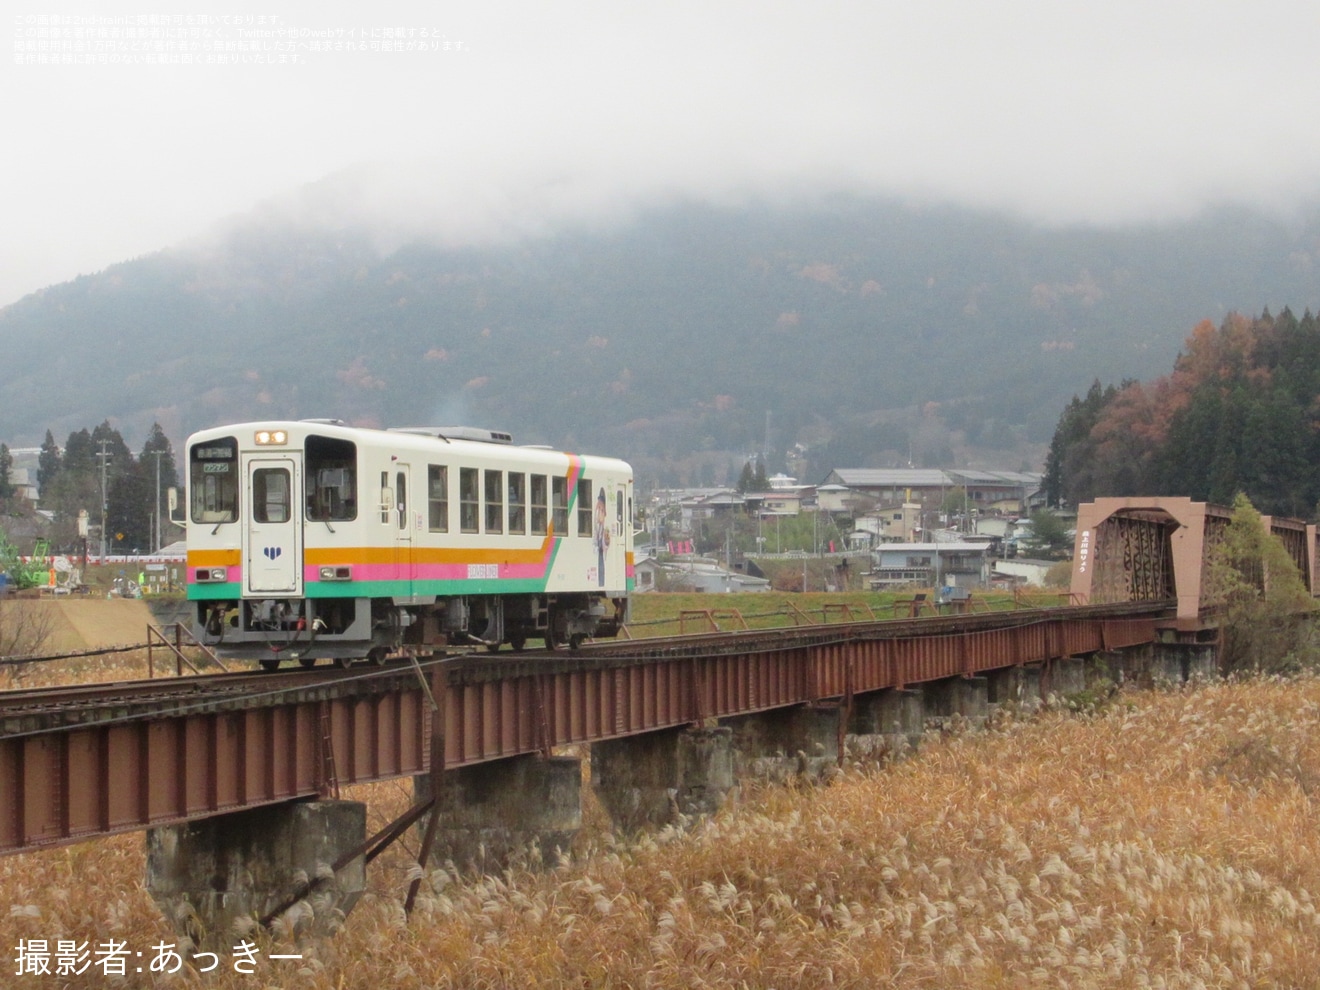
(25, 627)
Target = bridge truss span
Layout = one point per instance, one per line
(1154, 549)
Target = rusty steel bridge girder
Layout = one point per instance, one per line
(108, 767)
(134, 759)
(1152, 549)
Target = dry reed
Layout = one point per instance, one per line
(1168, 842)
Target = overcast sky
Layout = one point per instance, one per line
(1061, 111)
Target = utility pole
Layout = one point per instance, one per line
(105, 500)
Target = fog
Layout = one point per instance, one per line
(510, 119)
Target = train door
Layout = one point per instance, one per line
(272, 534)
(622, 526)
(403, 556)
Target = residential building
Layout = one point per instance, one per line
(987, 491)
(930, 565)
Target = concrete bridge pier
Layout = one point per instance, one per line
(1160, 664)
(1182, 662)
(966, 697)
(1019, 686)
(801, 742)
(890, 721)
(491, 813)
(1154, 664)
(652, 780)
(216, 878)
(1063, 676)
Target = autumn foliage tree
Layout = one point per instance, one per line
(1240, 412)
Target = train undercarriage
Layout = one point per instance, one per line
(304, 630)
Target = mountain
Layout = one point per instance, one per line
(866, 331)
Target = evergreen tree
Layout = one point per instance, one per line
(746, 480)
(156, 463)
(72, 485)
(128, 500)
(80, 454)
(1275, 467)
(1049, 534)
(1070, 463)
(1184, 466)
(7, 489)
(48, 463)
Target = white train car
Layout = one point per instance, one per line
(312, 539)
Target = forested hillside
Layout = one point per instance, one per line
(1240, 412)
(870, 332)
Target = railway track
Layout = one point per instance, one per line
(28, 710)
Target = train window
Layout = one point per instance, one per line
(469, 500)
(213, 481)
(332, 477)
(585, 507)
(540, 513)
(401, 498)
(559, 506)
(517, 503)
(437, 498)
(270, 495)
(618, 513)
(386, 497)
(494, 501)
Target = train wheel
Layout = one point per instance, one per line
(342, 662)
(575, 640)
(377, 655)
(493, 647)
(307, 661)
(270, 665)
(517, 642)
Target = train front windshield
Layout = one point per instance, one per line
(213, 481)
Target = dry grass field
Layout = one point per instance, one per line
(1168, 841)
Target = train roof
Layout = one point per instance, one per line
(471, 441)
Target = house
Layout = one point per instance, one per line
(706, 503)
(930, 565)
(25, 483)
(899, 523)
(987, 491)
(776, 502)
(698, 573)
(1022, 570)
(645, 571)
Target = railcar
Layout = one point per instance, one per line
(314, 540)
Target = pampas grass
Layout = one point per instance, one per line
(1168, 841)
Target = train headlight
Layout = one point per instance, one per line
(269, 438)
(337, 573)
(211, 575)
